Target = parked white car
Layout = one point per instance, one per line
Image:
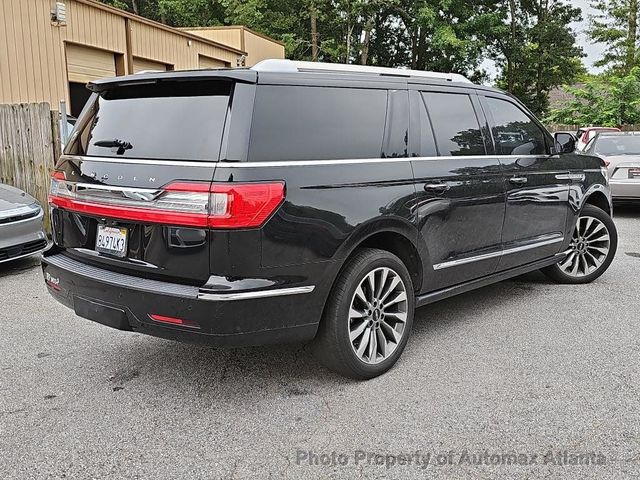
(621, 154)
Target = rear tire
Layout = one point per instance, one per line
(368, 317)
(593, 245)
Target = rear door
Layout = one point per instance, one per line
(537, 184)
(131, 192)
(460, 193)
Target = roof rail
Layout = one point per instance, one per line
(288, 66)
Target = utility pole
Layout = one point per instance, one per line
(313, 14)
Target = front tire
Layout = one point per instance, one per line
(593, 246)
(368, 316)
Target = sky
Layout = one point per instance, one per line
(593, 51)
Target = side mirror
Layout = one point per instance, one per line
(565, 142)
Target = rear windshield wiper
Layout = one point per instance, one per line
(122, 145)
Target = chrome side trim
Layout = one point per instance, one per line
(578, 177)
(225, 297)
(287, 163)
(486, 256)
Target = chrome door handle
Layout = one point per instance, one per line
(518, 180)
(436, 187)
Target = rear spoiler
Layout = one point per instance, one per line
(238, 75)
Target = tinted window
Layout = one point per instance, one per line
(168, 120)
(313, 123)
(454, 123)
(421, 126)
(514, 132)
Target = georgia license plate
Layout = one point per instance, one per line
(112, 240)
(634, 173)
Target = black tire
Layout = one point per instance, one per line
(332, 345)
(557, 274)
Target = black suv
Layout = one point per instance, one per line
(298, 202)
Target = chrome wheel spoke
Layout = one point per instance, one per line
(360, 294)
(401, 297)
(399, 316)
(383, 281)
(394, 283)
(589, 248)
(377, 315)
(568, 261)
(382, 342)
(597, 232)
(373, 346)
(395, 335)
(364, 343)
(356, 332)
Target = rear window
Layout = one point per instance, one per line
(317, 123)
(617, 145)
(167, 120)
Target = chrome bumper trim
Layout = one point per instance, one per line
(278, 292)
(123, 280)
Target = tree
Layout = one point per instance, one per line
(616, 25)
(536, 49)
(608, 99)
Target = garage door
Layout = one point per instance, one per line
(142, 64)
(85, 64)
(208, 62)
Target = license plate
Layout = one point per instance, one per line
(634, 173)
(112, 240)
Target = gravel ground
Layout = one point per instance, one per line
(524, 367)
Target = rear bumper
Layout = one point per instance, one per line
(127, 302)
(624, 189)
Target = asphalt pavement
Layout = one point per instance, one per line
(521, 379)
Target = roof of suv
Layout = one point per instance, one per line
(287, 70)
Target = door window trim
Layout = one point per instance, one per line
(548, 141)
(470, 93)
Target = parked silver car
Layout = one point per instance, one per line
(621, 153)
(21, 232)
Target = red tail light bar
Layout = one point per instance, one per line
(193, 204)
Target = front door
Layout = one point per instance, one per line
(460, 193)
(537, 185)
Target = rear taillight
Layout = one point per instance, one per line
(243, 205)
(194, 204)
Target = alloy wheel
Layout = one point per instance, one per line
(589, 247)
(378, 315)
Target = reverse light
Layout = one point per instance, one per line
(194, 204)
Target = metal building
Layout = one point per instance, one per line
(258, 46)
(50, 49)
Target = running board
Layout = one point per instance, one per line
(431, 297)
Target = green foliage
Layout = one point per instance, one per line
(536, 50)
(530, 40)
(609, 100)
(616, 25)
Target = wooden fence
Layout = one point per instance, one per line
(29, 146)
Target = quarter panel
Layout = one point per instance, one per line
(325, 204)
